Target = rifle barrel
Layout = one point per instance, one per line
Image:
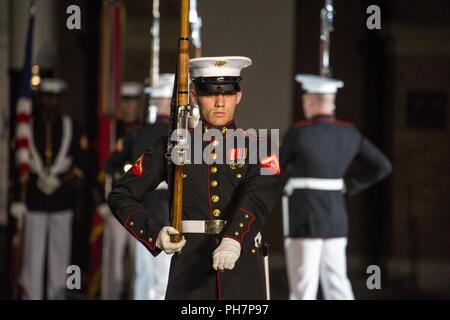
(326, 27)
(154, 59)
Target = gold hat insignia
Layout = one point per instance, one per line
(220, 63)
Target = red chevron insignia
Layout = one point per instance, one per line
(271, 164)
(138, 166)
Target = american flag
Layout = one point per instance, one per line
(24, 103)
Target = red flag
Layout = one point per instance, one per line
(112, 22)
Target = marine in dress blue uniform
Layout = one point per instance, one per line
(225, 203)
(56, 147)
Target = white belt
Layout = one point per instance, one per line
(202, 226)
(210, 227)
(313, 183)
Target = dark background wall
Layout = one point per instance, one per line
(400, 223)
(418, 91)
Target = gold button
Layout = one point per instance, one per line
(150, 240)
(131, 223)
(238, 175)
(215, 198)
(213, 183)
(253, 251)
(213, 169)
(224, 130)
(215, 143)
(184, 175)
(236, 233)
(246, 216)
(216, 212)
(241, 225)
(141, 231)
(214, 156)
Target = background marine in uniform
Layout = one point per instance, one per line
(320, 150)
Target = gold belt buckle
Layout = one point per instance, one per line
(214, 226)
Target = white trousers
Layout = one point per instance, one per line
(151, 274)
(116, 242)
(311, 259)
(51, 233)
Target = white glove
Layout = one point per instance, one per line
(226, 254)
(164, 242)
(18, 210)
(103, 210)
(48, 184)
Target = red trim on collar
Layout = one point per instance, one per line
(326, 120)
(344, 123)
(302, 123)
(323, 118)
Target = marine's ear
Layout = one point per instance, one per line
(238, 97)
(193, 96)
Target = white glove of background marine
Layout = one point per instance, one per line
(48, 184)
(18, 210)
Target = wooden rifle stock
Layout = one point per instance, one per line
(182, 100)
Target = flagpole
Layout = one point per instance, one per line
(23, 135)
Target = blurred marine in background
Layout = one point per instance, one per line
(151, 273)
(116, 242)
(320, 150)
(56, 146)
